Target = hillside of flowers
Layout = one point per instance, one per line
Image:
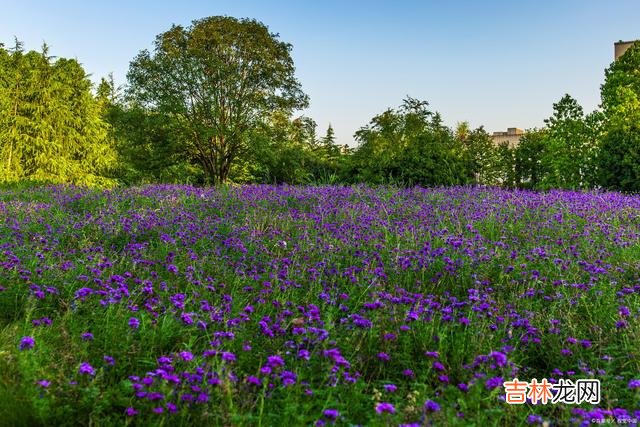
(281, 305)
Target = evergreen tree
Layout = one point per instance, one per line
(570, 147)
(51, 128)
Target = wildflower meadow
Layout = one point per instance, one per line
(268, 305)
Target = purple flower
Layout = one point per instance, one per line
(433, 354)
(27, 343)
(164, 360)
(134, 323)
(44, 383)
(585, 343)
(87, 336)
(265, 370)
(253, 380)
(534, 419)
(499, 358)
(390, 388)
(331, 414)
(463, 387)
(274, 361)
(228, 357)
(155, 396)
(130, 411)
(288, 378)
(172, 269)
(494, 382)
(383, 407)
(438, 366)
(304, 354)
(186, 356)
(109, 360)
(634, 384)
(566, 352)
(431, 406)
(86, 369)
(384, 357)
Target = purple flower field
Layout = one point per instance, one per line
(265, 305)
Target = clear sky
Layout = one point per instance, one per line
(493, 63)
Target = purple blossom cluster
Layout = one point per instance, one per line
(252, 293)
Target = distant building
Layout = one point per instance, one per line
(511, 137)
(621, 47)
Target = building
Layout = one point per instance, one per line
(621, 47)
(511, 137)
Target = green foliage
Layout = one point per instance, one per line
(148, 144)
(280, 151)
(619, 155)
(623, 72)
(619, 158)
(216, 80)
(51, 129)
(409, 145)
(505, 167)
(570, 146)
(481, 155)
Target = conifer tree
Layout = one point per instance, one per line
(51, 126)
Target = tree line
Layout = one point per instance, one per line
(216, 102)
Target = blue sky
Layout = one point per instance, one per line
(492, 63)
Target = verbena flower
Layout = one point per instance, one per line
(431, 406)
(494, 382)
(390, 388)
(134, 323)
(27, 343)
(228, 356)
(385, 407)
(331, 414)
(499, 358)
(86, 369)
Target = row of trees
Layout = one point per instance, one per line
(216, 102)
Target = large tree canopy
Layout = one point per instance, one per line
(51, 128)
(409, 145)
(623, 72)
(619, 156)
(219, 79)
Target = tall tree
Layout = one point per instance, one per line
(479, 153)
(623, 72)
(218, 79)
(619, 157)
(51, 127)
(408, 145)
(529, 168)
(570, 146)
(619, 154)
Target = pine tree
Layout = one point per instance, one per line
(51, 126)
